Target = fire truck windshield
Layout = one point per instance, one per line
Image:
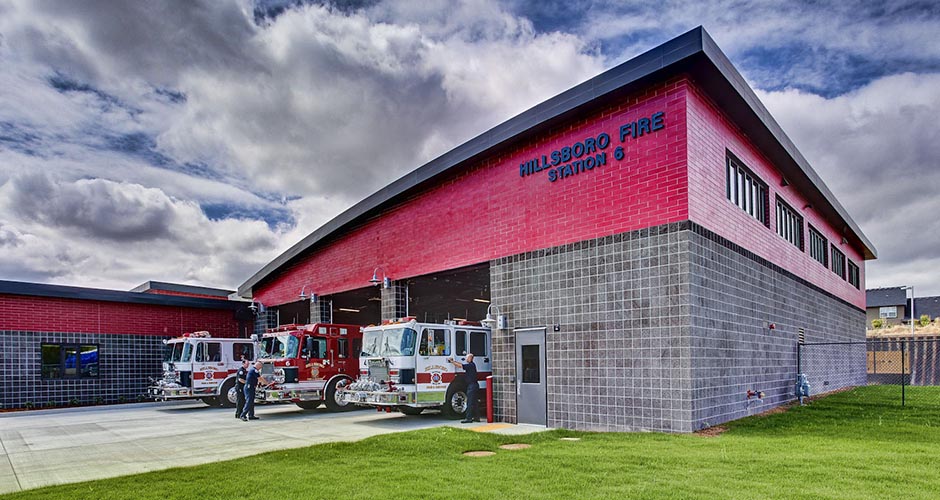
(174, 352)
(390, 342)
(281, 346)
(187, 352)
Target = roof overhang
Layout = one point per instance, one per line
(81, 293)
(693, 53)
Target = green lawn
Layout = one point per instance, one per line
(855, 445)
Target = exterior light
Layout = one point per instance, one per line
(346, 309)
(385, 281)
(484, 301)
(494, 320)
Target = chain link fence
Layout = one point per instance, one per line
(912, 365)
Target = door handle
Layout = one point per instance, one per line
(486, 360)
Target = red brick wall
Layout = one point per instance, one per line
(710, 135)
(44, 314)
(185, 294)
(488, 211)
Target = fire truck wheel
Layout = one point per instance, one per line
(334, 401)
(455, 405)
(309, 405)
(227, 396)
(211, 401)
(408, 410)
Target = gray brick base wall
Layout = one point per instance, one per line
(395, 301)
(735, 298)
(620, 360)
(264, 320)
(321, 311)
(125, 362)
(662, 329)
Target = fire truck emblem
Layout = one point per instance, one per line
(209, 374)
(436, 378)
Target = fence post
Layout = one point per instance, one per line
(902, 373)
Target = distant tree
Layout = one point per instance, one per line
(924, 320)
(877, 323)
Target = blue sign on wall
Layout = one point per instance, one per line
(586, 155)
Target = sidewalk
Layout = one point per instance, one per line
(41, 448)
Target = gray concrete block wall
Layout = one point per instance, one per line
(735, 297)
(395, 301)
(620, 360)
(665, 329)
(125, 364)
(264, 320)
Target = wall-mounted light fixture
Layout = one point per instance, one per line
(256, 307)
(484, 301)
(304, 296)
(346, 309)
(385, 281)
(494, 319)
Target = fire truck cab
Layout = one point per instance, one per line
(405, 365)
(308, 362)
(198, 366)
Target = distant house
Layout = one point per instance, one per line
(889, 304)
(927, 305)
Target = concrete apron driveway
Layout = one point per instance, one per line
(41, 448)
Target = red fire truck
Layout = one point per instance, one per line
(404, 365)
(308, 362)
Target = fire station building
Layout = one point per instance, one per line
(66, 345)
(656, 242)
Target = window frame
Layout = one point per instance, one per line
(746, 190)
(476, 335)
(853, 276)
(837, 258)
(789, 221)
(825, 246)
(62, 348)
(888, 312)
(429, 347)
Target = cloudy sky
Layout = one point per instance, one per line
(193, 141)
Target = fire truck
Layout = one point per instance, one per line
(199, 366)
(404, 365)
(307, 364)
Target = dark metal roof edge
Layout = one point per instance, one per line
(178, 287)
(80, 293)
(731, 74)
(689, 44)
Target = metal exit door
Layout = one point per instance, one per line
(530, 376)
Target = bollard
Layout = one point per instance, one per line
(489, 399)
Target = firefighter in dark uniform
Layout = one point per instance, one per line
(473, 388)
(252, 379)
(240, 388)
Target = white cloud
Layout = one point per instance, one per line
(181, 106)
(318, 106)
(104, 233)
(878, 149)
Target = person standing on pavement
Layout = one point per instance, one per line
(240, 388)
(251, 382)
(473, 387)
